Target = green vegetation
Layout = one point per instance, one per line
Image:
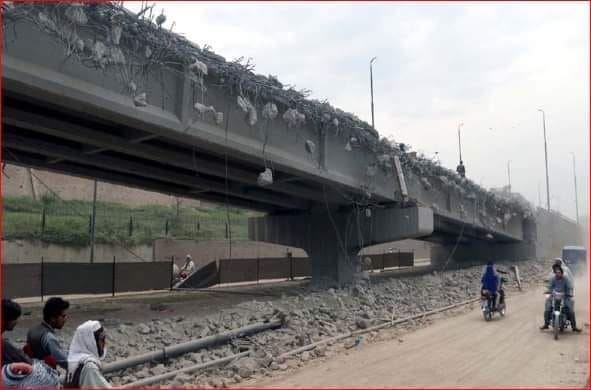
(68, 222)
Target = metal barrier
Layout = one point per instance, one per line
(43, 278)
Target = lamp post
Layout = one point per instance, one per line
(371, 88)
(576, 194)
(509, 174)
(460, 141)
(546, 158)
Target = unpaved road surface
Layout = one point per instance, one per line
(465, 351)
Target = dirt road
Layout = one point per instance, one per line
(465, 351)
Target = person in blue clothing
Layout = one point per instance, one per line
(490, 281)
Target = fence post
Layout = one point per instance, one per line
(171, 267)
(113, 274)
(290, 259)
(130, 226)
(384, 260)
(43, 221)
(258, 269)
(226, 230)
(42, 277)
(166, 228)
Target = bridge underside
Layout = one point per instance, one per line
(45, 136)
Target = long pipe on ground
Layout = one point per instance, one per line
(172, 374)
(190, 346)
(375, 327)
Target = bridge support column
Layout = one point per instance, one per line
(332, 238)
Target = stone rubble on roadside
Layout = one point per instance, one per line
(312, 315)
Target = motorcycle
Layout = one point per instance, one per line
(487, 303)
(560, 318)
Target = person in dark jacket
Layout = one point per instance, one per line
(11, 311)
(42, 343)
(490, 281)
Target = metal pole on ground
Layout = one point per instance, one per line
(171, 272)
(113, 275)
(92, 228)
(42, 277)
(290, 259)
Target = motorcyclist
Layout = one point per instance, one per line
(491, 282)
(560, 283)
(567, 272)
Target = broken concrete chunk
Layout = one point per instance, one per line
(246, 106)
(310, 146)
(348, 147)
(372, 170)
(75, 14)
(270, 111)
(294, 118)
(426, 183)
(132, 87)
(219, 118)
(116, 32)
(202, 108)
(116, 55)
(98, 51)
(160, 19)
(198, 67)
(140, 100)
(265, 178)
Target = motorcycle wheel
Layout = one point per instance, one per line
(487, 315)
(555, 327)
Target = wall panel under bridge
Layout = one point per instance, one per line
(46, 279)
(21, 280)
(150, 276)
(68, 278)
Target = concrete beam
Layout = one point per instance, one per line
(132, 181)
(86, 136)
(121, 165)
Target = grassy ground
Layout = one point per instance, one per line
(68, 222)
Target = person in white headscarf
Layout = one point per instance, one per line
(84, 359)
(189, 267)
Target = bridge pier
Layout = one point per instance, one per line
(333, 237)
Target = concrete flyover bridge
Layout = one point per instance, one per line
(96, 91)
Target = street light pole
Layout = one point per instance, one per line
(371, 87)
(460, 140)
(509, 173)
(576, 194)
(546, 158)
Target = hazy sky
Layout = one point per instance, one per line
(488, 65)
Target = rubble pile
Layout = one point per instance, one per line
(119, 35)
(313, 314)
